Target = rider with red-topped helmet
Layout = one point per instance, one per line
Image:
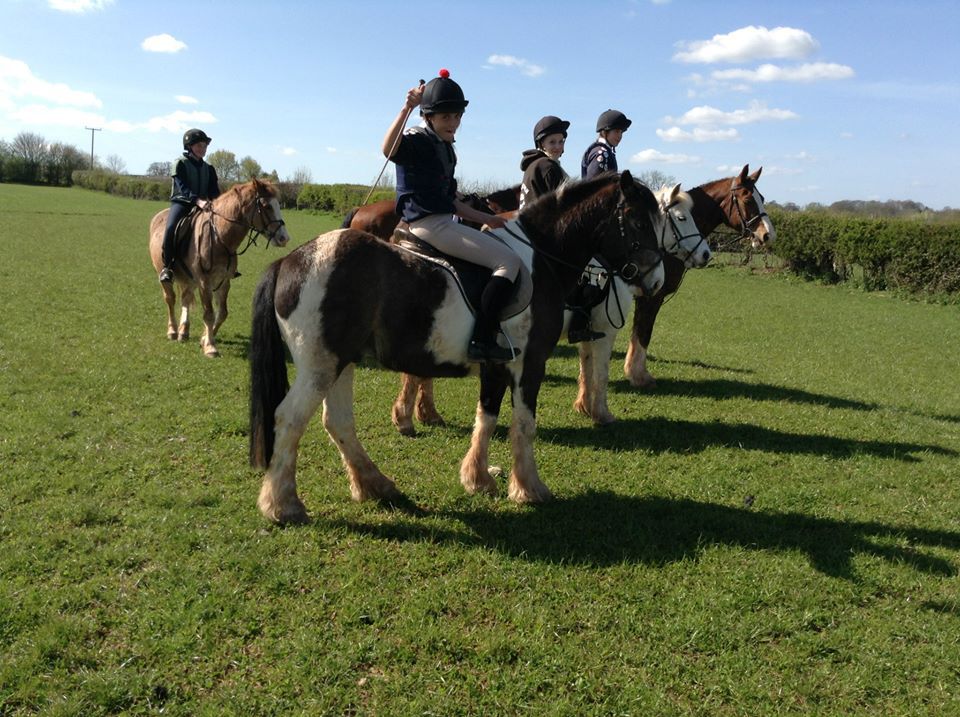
(427, 200)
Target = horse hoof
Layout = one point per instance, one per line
(293, 514)
(605, 420)
(430, 418)
(534, 494)
(173, 335)
(407, 430)
(183, 337)
(645, 380)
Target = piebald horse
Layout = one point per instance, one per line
(347, 294)
(206, 259)
(734, 201)
(678, 238)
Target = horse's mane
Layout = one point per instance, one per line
(683, 200)
(573, 201)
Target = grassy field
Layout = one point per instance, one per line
(774, 530)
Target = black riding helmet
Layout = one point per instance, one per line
(549, 125)
(192, 136)
(442, 95)
(613, 119)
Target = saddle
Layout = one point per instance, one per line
(470, 278)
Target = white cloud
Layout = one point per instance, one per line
(288, 151)
(706, 115)
(808, 72)
(163, 43)
(525, 66)
(176, 121)
(17, 81)
(653, 156)
(846, 135)
(79, 6)
(187, 100)
(749, 43)
(699, 134)
(45, 115)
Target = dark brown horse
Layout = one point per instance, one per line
(348, 294)
(380, 218)
(207, 258)
(733, 201)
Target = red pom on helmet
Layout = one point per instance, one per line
(444, 72)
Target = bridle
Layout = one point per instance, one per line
(746, 226)
(681, 252)
(271, 227)
(631, 270)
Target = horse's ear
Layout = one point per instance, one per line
(674, 192)
(627, 183)
(756, 175)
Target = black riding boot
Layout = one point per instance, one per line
(579, 329)
(484, 347)
(169, 249)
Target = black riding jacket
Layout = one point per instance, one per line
(540, 175)
(193, 179)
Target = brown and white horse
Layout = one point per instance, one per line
(207, 259)
(734, 201)
(678, 238)
(347, 294)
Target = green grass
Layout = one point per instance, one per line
(773, 530)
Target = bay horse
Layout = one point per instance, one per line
(348, 294)
(678, 237)
(206, 259)
(381, 218)
(734, 201)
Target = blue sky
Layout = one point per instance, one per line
(834, 99)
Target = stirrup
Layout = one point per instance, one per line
(480, 352)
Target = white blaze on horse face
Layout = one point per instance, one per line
(283, 236)
(765, 233)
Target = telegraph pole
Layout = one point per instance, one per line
(92, 130)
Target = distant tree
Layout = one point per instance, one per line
(249, 169)
(301, 175)
(28, 151)
(160, 169)
(655, 179)
(116, 164)
(60, 162)
(226, 165)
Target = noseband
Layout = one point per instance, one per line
(679, 238)
(746, 226)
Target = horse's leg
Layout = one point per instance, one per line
(278, 500)
(221, 314)
(170, 299)
(208, 340)
(525, 483)
(594, 378)
(635, 364)
(475, 466)
(366, 480)
(186, 304)
(426, 407)
(402, 414)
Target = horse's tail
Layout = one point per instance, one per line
(268, 369)
(347, 220)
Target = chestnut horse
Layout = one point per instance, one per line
(734, 201)
(347, 294)
(206, 258)
(678, 237)
(381, 218)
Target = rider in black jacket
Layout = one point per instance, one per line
(195, 183)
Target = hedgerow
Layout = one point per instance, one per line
(910, 256)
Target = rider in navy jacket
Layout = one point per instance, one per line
(601, 156)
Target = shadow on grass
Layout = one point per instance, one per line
(602, 528)
(660, 435)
